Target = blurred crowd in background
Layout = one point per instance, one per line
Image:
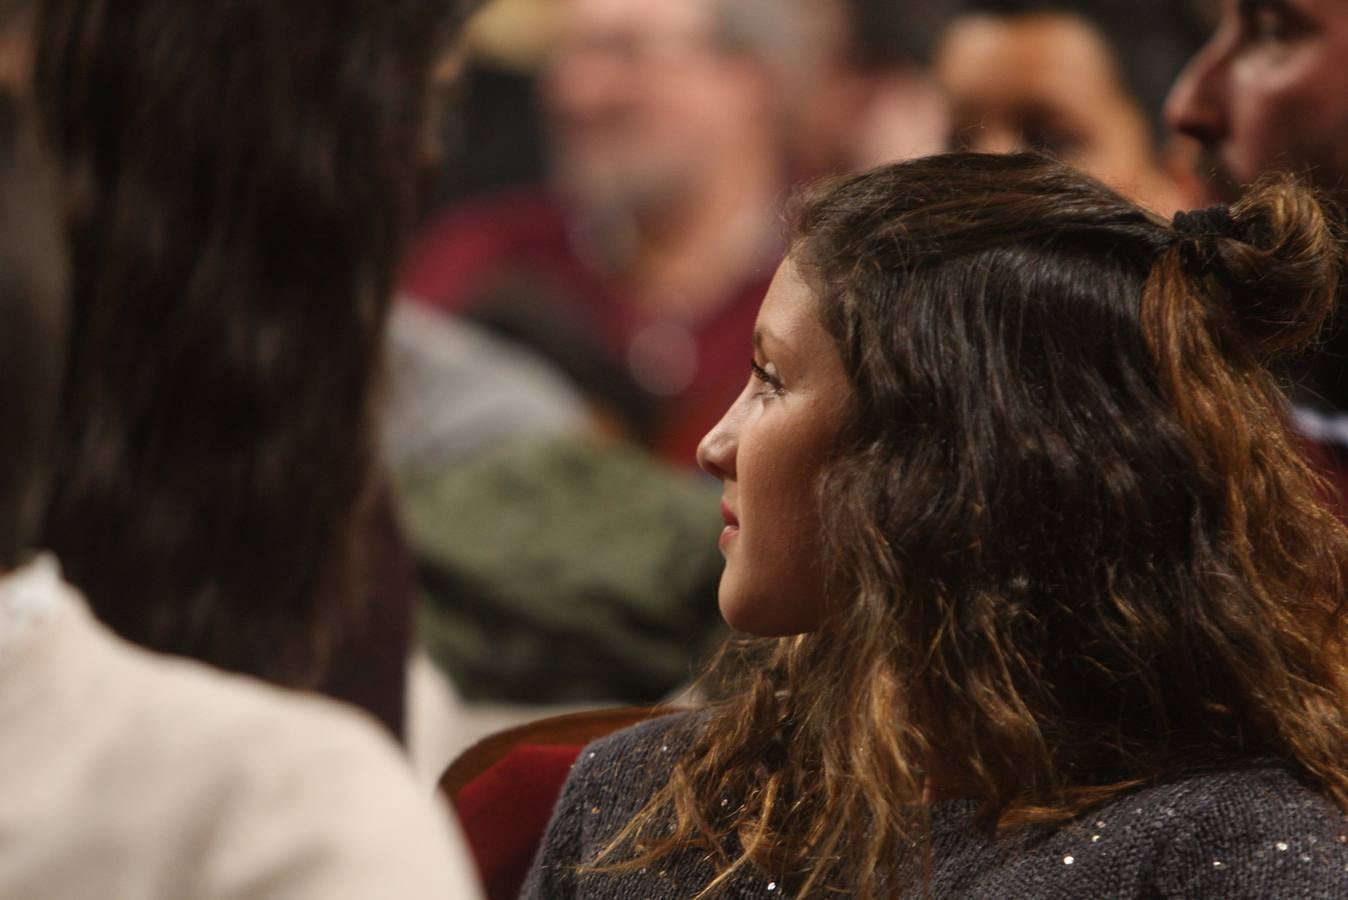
(578, 301)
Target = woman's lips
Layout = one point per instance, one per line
(729, 517)
(732, 525)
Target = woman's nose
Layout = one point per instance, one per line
(716, 451)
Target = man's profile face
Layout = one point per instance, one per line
(1269, 92)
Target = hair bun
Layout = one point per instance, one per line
(1279, 261)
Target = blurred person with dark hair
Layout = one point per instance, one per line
(637, 270)
(558, 566)
(1269, 93)
(1084, 82)
(237, 178)
(127, 775)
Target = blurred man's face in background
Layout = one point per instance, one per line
(639, 96)
(1269, 91)
(1048, 82)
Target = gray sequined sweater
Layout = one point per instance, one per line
(1251, 831)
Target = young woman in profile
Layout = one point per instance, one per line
(1046, 600)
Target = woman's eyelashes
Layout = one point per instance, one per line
(772, 384)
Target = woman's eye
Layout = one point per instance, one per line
(772, 385)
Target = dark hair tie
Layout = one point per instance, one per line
(1215, 221)
(1196, 231)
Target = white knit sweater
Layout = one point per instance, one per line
(125, 774)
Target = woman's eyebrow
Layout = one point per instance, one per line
(764, 336)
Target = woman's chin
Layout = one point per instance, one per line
(758, 616)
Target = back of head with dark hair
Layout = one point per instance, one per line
(237, 177)
(1073, 545)
(32, 330)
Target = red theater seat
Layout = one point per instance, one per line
(504, 787)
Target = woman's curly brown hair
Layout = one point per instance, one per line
(1079, 548)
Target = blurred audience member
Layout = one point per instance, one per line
(127, 775)
(639, 269)
(1083, 82)
(238, 176)
(1269, 93)
(556, 565)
